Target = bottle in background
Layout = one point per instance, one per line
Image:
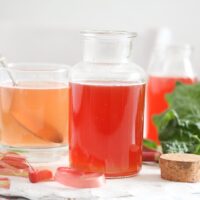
(175, 65)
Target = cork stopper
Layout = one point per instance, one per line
(180, 167)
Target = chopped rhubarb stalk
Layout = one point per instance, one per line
(15, 156)
(146, 149)
(13, 164)
(9, 170)
(74, 178)
(151, 156)
(15, 161)
(4, 183)
(36, 175)
(1, 155)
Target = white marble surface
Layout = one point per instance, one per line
(147, 185)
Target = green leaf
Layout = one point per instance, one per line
(179, 126)
(149, 144)
(185, 99)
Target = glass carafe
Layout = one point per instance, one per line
(174, 65)
(106, 106)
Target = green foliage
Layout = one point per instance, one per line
(149, 144)
(179, 126)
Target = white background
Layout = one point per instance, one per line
(48, 30)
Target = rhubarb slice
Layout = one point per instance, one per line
(36, 175)
(74, 178)
(37, 127)
(4, 182)
(13, 164)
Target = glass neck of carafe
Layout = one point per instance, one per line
(107, 47)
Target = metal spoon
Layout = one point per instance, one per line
(4, 64)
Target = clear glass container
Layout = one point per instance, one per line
(34, 110)
(173, 64)
(106, 106)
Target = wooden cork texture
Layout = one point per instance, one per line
(180, 167)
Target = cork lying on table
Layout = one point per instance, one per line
(180, 167)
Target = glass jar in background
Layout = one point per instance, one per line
(174, 64)
(34, 110)
(106, 106)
